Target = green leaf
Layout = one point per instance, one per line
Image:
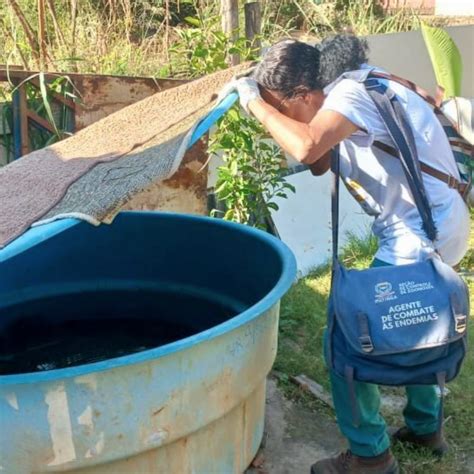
(164, 72)
(201, 52)
(273, 206)
(221, 187)
(52, 139)
(193, 21)
(220, 36)
(234, 169)
(229, 215)
(226, 142)
(233, 115)
(47, 105)
(445, 58)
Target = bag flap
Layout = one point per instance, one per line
(395, 309)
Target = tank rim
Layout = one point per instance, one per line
(282, 285)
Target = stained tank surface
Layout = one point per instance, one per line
(140, 346)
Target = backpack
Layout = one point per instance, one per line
(395, 325)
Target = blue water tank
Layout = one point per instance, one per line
(185, 310)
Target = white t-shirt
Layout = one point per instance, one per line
(397, 222)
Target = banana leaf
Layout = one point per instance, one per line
(445, 58)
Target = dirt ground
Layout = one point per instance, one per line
(295, 437)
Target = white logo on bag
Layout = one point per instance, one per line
(412, 287)
(384, 292)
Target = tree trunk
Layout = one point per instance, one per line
(230, 24)
(253, 26)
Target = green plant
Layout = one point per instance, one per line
(364, 17)
(6, 139)
(280, 17)
(40, 93)
(359, 250)
(252, 175)
(445, 58)
(203, 48)
(98, 36)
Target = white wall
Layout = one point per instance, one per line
(405, 54)
(455, 7)
(304, 219)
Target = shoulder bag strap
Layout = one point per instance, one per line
(400, 132)
(335, 169)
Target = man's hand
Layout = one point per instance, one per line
(247, 89)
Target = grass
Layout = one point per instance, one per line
(302, 323)
(363, 17)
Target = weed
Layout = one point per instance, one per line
(364, 17)
(39, 96)
(202, 48)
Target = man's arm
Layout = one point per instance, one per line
(307, 143)
(322, 165)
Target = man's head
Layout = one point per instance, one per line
(292, 75)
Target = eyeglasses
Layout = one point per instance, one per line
(282, 103)
(285, 100)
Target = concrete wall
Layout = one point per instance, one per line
(405, 54)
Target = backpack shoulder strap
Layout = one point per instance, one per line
(433, 101)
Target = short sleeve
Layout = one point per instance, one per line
(350, 99)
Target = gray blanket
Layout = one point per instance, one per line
(91, 174)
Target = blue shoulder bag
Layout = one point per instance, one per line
(396, 325)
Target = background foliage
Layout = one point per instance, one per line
(147, 37)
